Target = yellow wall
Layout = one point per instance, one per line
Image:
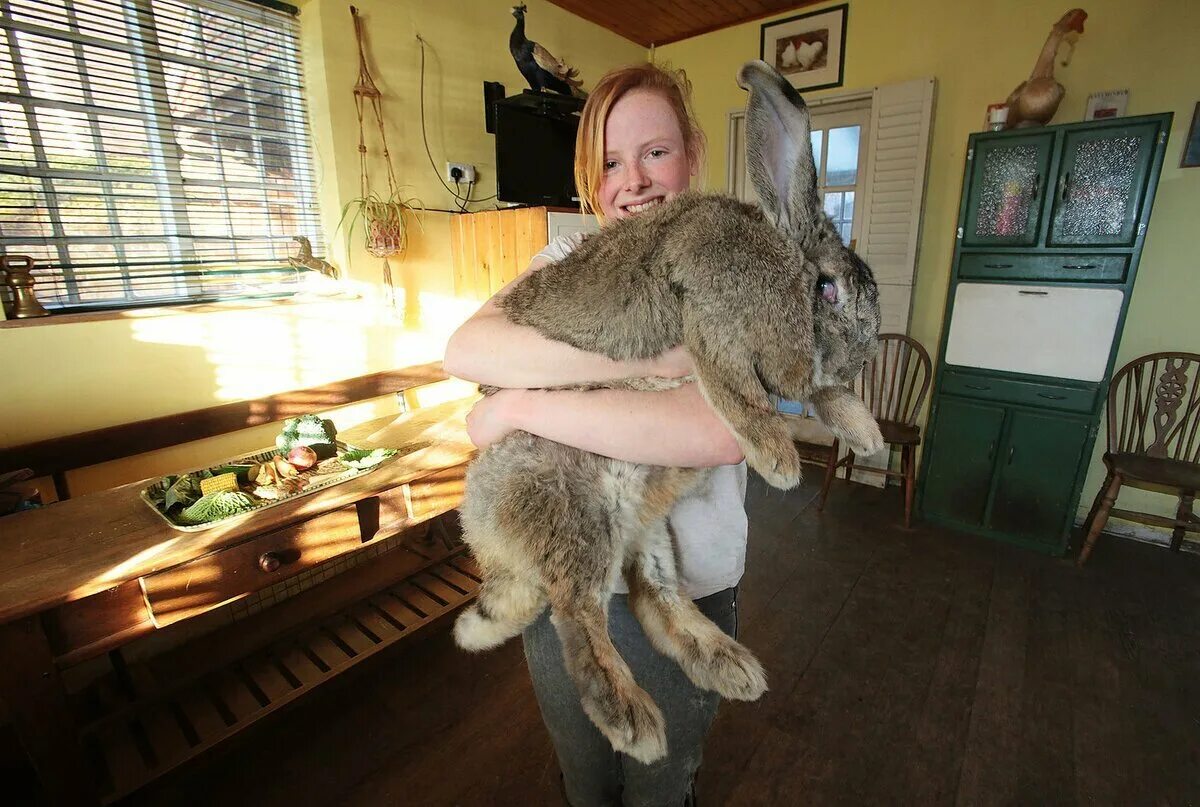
(978, 51)
(61, 378)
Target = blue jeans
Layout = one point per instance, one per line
(594, 775)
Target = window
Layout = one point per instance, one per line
(839, 148)
(838, 133)
(153, 151)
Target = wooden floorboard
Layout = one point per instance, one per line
(916, 667)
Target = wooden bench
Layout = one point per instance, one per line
(86, 576)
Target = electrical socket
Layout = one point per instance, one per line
(466, 172)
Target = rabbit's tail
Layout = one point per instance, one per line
(680, 631)
(507, 604)
(621, 709)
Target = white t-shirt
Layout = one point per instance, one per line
(710, 524)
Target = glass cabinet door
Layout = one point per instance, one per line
(1101, 182)
(1008, 186)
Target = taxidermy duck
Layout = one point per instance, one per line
(1035, 101)
(538, 65)
(304, 259)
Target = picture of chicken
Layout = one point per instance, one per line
(804, 52)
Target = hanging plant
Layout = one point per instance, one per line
(382, 217)
(382, 220)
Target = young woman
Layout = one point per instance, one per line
(638, 145)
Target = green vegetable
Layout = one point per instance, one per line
(308, 430)
(183, 491)
(216, 506)
(362, 458)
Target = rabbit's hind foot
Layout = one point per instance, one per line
(631, 721)
(729, 669)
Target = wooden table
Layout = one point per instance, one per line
(86, 576)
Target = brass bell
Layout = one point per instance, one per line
(18, 276)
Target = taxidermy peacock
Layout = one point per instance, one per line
(538, 65)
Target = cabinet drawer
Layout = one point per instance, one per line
(213, 580)
(1032, 393)
(994, 266)
(438, 493)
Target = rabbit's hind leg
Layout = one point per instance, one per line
(507, 604)
(678, 629)
(622, 710)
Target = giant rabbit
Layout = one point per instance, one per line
(768, 301)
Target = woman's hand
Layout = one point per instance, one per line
(673, 363)
(489, 421)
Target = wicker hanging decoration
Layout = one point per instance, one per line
(383, 218)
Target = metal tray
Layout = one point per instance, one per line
(259, 456)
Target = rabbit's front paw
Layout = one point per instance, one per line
(861, 434)
(779, 464)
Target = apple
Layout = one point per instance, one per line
(302, 457)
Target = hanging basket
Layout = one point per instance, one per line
(386, 238)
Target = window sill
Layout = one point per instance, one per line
(174, 310)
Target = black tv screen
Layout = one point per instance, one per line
(535, 155)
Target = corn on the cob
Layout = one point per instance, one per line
(225, 483)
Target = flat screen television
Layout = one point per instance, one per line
(535, 150)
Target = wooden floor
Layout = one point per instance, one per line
(911, 668)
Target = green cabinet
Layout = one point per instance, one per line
(1100, 185)
(1009, 178)
(1061, 212)
(1035, 476)
(967, 437)
(1001, 469)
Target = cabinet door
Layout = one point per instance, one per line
(1008, 186)
(1037, 469)
(959, 473)
(1101, 183)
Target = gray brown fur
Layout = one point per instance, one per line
(739, 286)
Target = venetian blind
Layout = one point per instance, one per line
(153, 151)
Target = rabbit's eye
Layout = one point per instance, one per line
(828, 290)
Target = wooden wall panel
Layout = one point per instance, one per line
(491, 247)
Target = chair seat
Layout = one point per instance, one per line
(900, 433)
(1175, 473)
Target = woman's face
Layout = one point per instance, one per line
(645, 157)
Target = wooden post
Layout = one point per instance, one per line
(32, 688)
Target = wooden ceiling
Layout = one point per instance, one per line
(657, 22)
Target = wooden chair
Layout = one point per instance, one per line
(1153, 442)
(893, 385)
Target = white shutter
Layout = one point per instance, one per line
(901, 119)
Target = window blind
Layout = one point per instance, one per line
(153, 151)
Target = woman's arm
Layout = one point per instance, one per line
(675, 427)
(489, 349)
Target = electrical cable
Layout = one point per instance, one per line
(460, 201)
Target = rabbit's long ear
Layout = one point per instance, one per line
(778, 150)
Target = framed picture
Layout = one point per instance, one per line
(1108, 104)
(809, 49)
(1191, 147)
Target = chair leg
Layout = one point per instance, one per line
(830, 473)
(1183, 515)
(1101, 518)
(910, 483)
(1091, 516)
(849, 463)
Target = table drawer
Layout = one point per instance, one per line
(998, 266)
(205, 583)
(438, 493)
(1032, 393)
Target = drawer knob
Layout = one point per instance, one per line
(269, 561)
